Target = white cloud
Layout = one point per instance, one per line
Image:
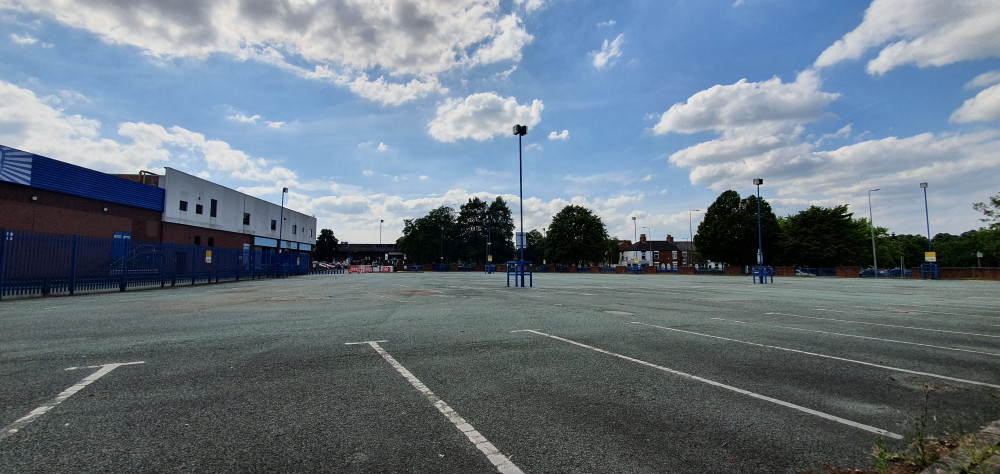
(368, 173)
(244, 118)
(722, 108)
(531, 5)
(382, 146)
(274, 124)
(925, 33)
(407, 43)
(423, 177)
(563, 135)
(482, 116)
(985, 79)
(984, 106)
(609, 52)
(30, 123)
(606, 23)
(25, 40)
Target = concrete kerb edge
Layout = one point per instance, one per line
(959, 458)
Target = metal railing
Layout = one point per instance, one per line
(33, 263)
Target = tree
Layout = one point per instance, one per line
(991, 211)
(535, 251)
(427, 239)
(502, 224)
(326, 245)
(824, 237)
(472, 231)
(728, 233)
(576, 236)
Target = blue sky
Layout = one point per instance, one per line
(385, 110)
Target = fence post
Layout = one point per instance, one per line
(194, 261)
(218, 258)
(125, 244)
(75, 255)
(173, 270)
(3, 258)
(163, 264)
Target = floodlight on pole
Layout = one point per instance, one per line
(691, 229)
(520, 131)
(927, 216)
(380, 221)
(871, 223)
(760, 235)
(649, 242)
(635, 245)
(281, 217)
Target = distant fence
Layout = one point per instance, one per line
(33, 263)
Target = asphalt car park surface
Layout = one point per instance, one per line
(456, 372)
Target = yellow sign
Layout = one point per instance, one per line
(930, 256)
(489, 258)
(208, 256)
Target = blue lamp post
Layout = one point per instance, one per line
(760, 234)
(871, 222)
(520, 131)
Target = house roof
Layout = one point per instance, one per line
(655, 245)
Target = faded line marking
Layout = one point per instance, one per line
(501, 462)
(885, 325)
(748, 393)
(895, 369)
(861, 337)
(619, 313)
(69, 392)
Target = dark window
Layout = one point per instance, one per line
(214, 209)
(199, 209)
(246, 218)
(274, 224)
(294, 229)
(184, 205)
(211, 241)
(197, 240)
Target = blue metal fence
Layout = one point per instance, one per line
(33, 263)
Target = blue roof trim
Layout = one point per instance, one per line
(61, 177)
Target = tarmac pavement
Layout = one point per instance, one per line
(456, 372)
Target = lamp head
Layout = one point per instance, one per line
(758, 181)
(923, 185)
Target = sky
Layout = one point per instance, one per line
(383, 110)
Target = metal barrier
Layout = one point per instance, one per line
(762, 273)
(520, 268)
(930, 270)
(33, 263)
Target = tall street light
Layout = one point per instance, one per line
(927, 216)
(380, 221)
(649, 243)
(691, 229)
(281, 218)
(871, 222)
(520, 131)
(760, 235)
(635, 245)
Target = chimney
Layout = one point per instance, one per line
(670, 238)
(642, 238)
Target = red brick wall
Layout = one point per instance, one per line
(848, 272)
(56, 213)
(185, 234)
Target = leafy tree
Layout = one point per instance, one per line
(612, 253)
(427, 239)
(502, 225)
(326, 245)
(576, 236)
(472, 231)
(990, 210)
(825, 237)
(535, 252)
(728, 233)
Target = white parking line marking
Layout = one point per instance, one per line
(886, 325)
(69, 392)
(501, 462)
(861, 337)
(895, 369)
(748, 393)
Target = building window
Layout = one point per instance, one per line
(246, 218)
(199, 209)
(294, 229)
(214, 210)
(197, 240)
(656, 255)
(274, 224)
(684, 256)
(184, 206)
(211, 241)
(674, 255)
